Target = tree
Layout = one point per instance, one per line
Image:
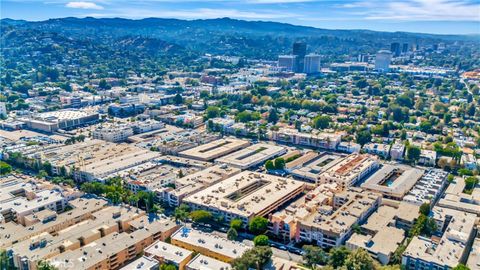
(413, 153)
(201, 216)
(260, 240)
(232, 234)
(337, 256)
(258, 225)
(425, 209)
(181, 212)
(4, 260)
(359, 259)
(279, 163)
(461, 267)
(178, 99)
(269, 165)
(166, 266)
(363, 137)
(255, 258)
(273, 116)
(236, 224)
(5, 168)
(314, 255)
(212, 112)
(44, 265)
(321, 121)
(470, 182)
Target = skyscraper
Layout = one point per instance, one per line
(395, 49)
(382, 60)
(300, 50)
(405, 47)
(312, 64)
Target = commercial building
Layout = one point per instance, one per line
(215, 149)
(393, 181)
(447, 252)
(246, 195)
(208, 244)
(252, 156)
(382, 60)
(92, 159)
(312, 64)
(113, 134)
(320, 140)
(288, 62)
(61, 119)
(428, 188)
(350, 170)
(395, 49)
(299, 50)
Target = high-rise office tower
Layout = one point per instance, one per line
(300, 50)
(395, 49)
(405, 47)
(382, 60)
(312, 64)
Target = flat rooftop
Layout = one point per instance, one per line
(247, 193)
(253, 155)
(349, 168)
(142, 263)
(312, 169)
(393, 180)
(202, 262)
(214, 243)
(167, 252)
(215, 149)
(449, 249)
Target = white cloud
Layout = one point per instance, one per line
(417, 10)
(83, 5)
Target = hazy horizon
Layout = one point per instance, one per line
(417, 16)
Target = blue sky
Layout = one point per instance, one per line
(427, 16)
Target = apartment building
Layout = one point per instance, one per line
(393, 181)
(381, 237)
(246, 195)
(321, 140)
(452, 248)
(428, 188)
(331, 225)
(187, 185)
(350, 170)
(208, 244)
